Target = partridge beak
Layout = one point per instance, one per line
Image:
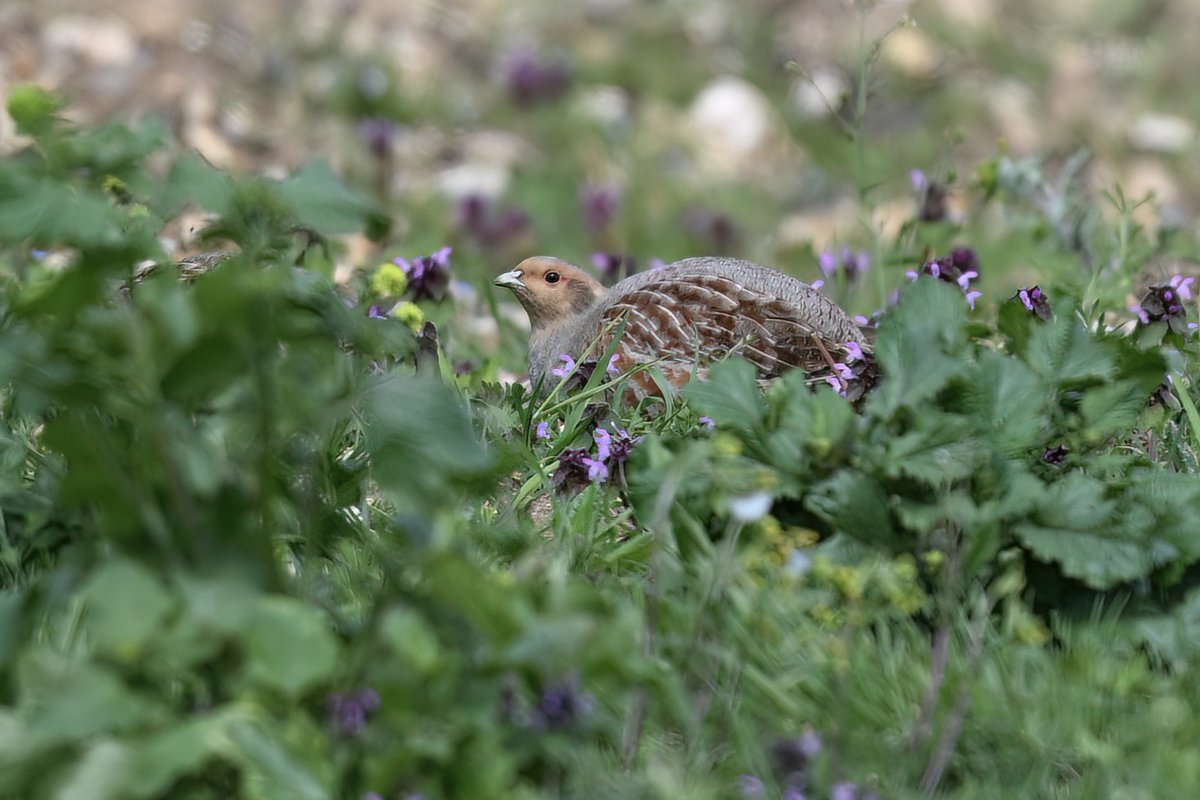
(511, 280)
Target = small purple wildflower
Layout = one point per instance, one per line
(597, 470)
(793, 793)
(613, 368)
(1036, 302)
(917, 179)
(854, 263)
(708, 423)
(839, 385)
(961, 267)
(489, 225)
(751, 786)
(38, 255)
(376, 312)
(573, 469)
(1055, 455)
(566, 369)
(543, 430)
(795, 756)
(1165, 304)
(428, 276)
(1182, 285)
(350, 711)
(614, 266)
(817, 284)
(844, 372)
(655, 263)
(844, 791)
(379, 135)
(600, 203)
(853, 351)
(562, 704)
(533, 80)
(603, 441)
(714, 229)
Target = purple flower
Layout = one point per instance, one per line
(843, 791)
(1036, 302)
(751, 786)
(817, 284)
(793, 793)
(573, 468)
(613, 368)
(1165, 304)
(562, 704)
(853, 263)
(932, 199)
(379, 135)
(708, 423)
(603, 441)
(961, 267)
(350, 711)
(376, 312)
(428, 276)
(795, 756)
(487, 224)
(533, 80)
(614, 266)
(714, 230)
(620, 446)
(566, 369)
(600, 205)
(1182, 285)
(844, 372)
(917, 179)
(597, 470)
(839, 385)
(1055, 455)
(543, 430)
(972, 297)
(655, 263)
(853, 351)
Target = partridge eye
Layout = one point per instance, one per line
(552, 277)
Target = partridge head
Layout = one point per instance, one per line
(681, 317)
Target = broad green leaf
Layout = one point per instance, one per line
(126, 605)
(322, 202)
(919, 346)
(162, 757)
(271, 771)
(194, 180)
(1101, 559)
(1107, 410)
(421, 442)
(67, 700)
(1076, 502)
(1063, 352)
(939, 453)
(854, 504)
(289, 645)
(1008, 400)
(99, 775)
(730, 396)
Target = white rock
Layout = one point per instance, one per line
(819, 94)
(730, 119)
(1162, 133)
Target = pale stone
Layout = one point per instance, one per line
(1162, 133)
(101, 41)
(819, 93)
(730, 119)
(463, 180)
(911, 52)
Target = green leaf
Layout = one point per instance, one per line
(68, 701)
(854, 504)
(34, 109)
(1109, 409)
(730, 396)
(1009, 401)
(99, 775)
(166, 755)
(192, 180)
(126, 606)
(421, 442)
(1063, 352)
(322, 202)
(289, 645)
(272, 772)
(919, 346)
(1101, 559)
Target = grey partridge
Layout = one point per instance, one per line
(682, 317)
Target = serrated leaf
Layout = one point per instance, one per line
(1008, 400)
(730, 396)
(1076, 502)
(854, 504)
(1112, 408)
(68, 700)
(919, 346)
(169, 754)
(273, 773)
(1063, 352)
(192, 180)
(1099, 559)
(936, 454)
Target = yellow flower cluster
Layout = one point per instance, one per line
(389, 281)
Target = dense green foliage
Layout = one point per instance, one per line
(254, 545)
